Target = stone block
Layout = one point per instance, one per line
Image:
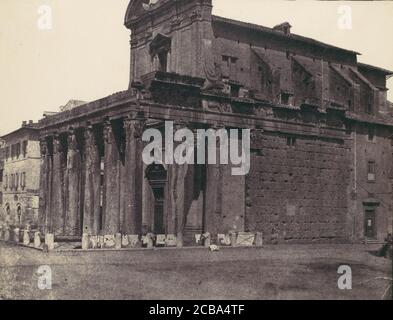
(161, 240)
(245, 239)
(125, 242)
(101, 242)
(198, 239)
(224, 239)
(94, 242)
(134, 241)
(147, 241)
(109, 241)
(171, 240)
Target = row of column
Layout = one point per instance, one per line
(77, 198)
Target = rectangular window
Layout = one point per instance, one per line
(23, 180)
(369, 108)
(285, 98)
(7, 153)
(12, 181)
(6, 182)
(17, 150)
(291, 141)
(24, 148)
(1, 176)
(371, 171)
(16, 181)
(1, 198)
(371, 133)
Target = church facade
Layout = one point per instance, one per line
(321, 137)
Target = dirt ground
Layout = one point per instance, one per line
(270, 272)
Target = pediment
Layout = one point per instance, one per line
(137, 8)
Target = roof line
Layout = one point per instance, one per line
(369, 66)
(292, 36)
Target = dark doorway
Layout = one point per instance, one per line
(370, 227)
(157, 176)
(159, 227)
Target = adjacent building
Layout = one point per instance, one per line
(19, 176)
(321, 137)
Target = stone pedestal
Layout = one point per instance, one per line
(16, 234)
(37, 240)
(118, 240)
(7, 234)
(85, 241)
(50, 241)
(26, 238)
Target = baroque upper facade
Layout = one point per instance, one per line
(321, 137)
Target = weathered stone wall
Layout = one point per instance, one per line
(298, 193)
(375, 194)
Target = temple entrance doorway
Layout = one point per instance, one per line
(157, 177)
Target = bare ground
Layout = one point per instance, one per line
(271, 272)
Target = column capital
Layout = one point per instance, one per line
(134, 125)
(107, 132)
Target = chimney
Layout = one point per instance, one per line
(30, 122)
(24, 123)
(284, 27)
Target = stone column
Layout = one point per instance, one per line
(177, 186)
(72, 221)
(57, 205)
(45, 189)
(213, 210)
(111, 182)
(92, 183)
(133, 179)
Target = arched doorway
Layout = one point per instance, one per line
(19, 214)
(157, 177)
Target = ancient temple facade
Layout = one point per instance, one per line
(321, 137)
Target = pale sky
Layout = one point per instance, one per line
(85, 55)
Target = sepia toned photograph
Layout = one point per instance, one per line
(196, 150)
